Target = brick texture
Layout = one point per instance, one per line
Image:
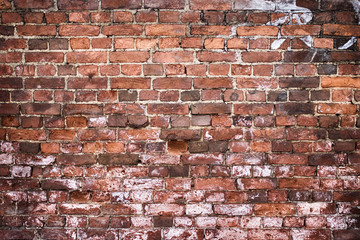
(180, 119)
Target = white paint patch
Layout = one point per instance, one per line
(264, 5)
(308, 40)
(356, 5)
(349, 43)
(277, 43)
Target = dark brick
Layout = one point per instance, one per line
(277, 96)
(299, 82)
(320, 95)
(299, 95)
(156, 147)
(344, 146)
(349, 234)
(118, 159)
(299, 196)
(322, 159)
(180, 4)
(328, 121)
(214, 17)
(322, 196)
(6, 30)
(198, 147)
(190, 96)
(137, 121)
(180, 134)
(27, 147)
(257, 196)
(281, 146)
(218, 146)
(308, 56)
(309, 4)
(294, 108)
(236, 17)
(78, 4)
(327, 69)
(163, 221)
(114, 4)
(125, 95)
(336, 5)
(38, 44)
(179, 171)
(58, 44)
(117, 121)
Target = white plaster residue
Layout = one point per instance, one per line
(277, 43)
(6, 158)
(177, 233)
(6, 147)
(349, 43)
(241, 171)
(198, 209)
(97, 121)
(43, 160)
(123, 197)
(21, 171)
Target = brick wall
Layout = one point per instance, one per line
(179, 119)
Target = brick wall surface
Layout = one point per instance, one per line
(180, 119)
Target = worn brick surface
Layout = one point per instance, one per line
(187, 119)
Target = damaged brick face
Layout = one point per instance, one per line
(186, 119)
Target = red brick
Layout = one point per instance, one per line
(206, 56)
(169, 17)
(19, 134)
(176, 109)
(333, 108)
(300, 30)
(274, 209)
(41, 108)
(214, 184)
(172, 57)
(257, 31)
(299, 183)
(211, 30)
(205, 5)
(79, 30)
(172, 83)
(86, 57)
(130, 83)
(123, 30)
(55, 57)
(261, 57)
(129, 57)
(110, 4)
(79, 17)
(341, 30)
